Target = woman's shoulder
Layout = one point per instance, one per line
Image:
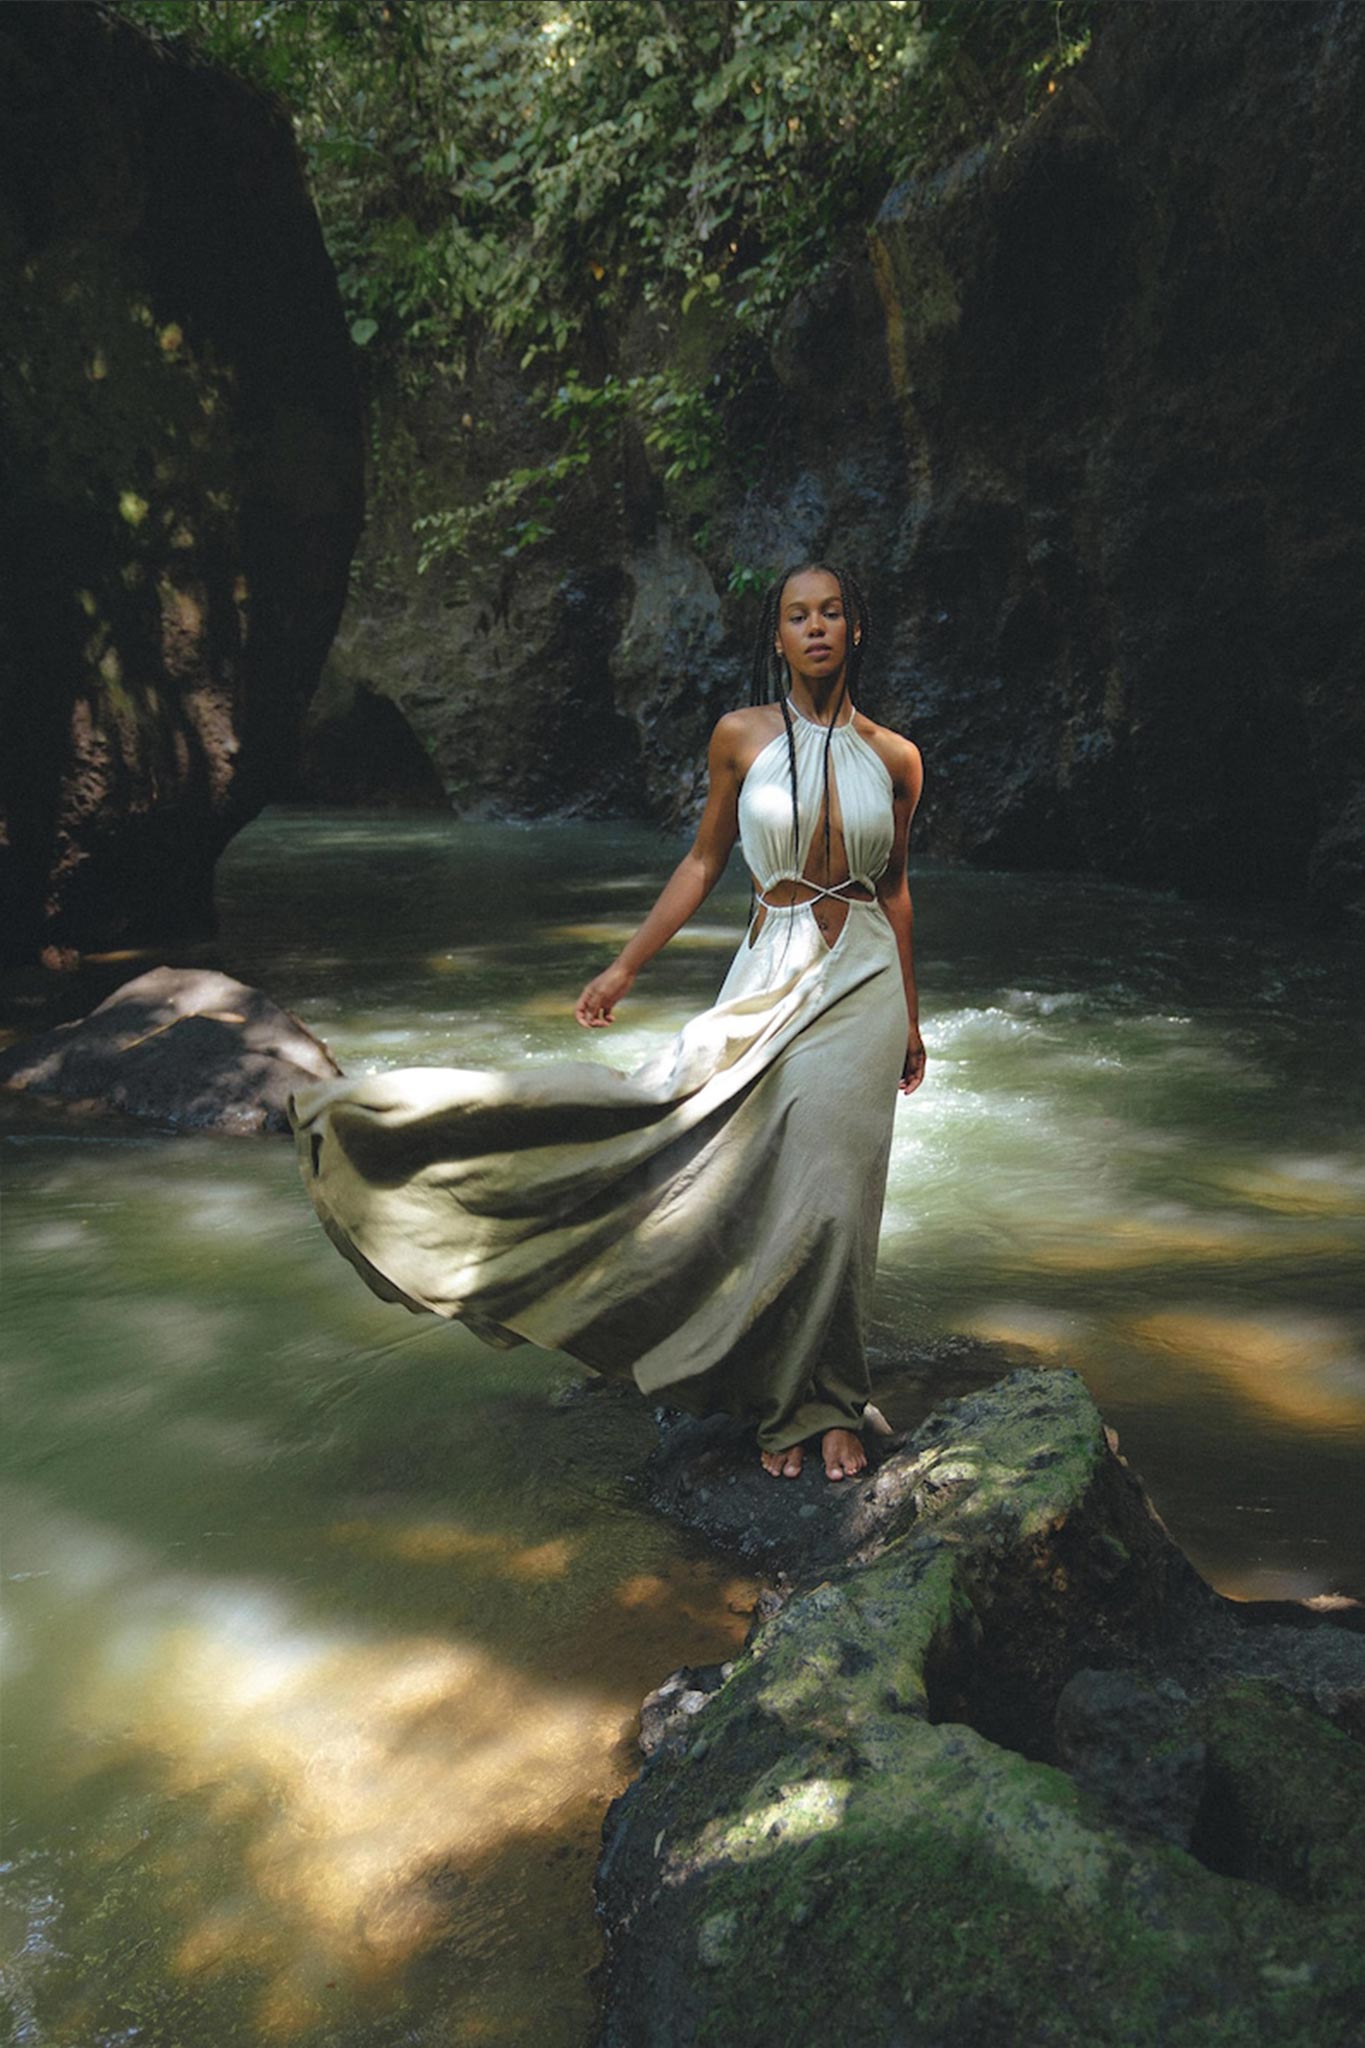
(900, 756)
(738, 736)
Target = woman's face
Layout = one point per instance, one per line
(812, 632)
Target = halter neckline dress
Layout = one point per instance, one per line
(705, 1226)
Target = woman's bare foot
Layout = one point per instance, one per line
(843, 1453)
(783, 1464)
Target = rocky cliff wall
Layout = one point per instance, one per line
(1081, 411)
(1125, 356)
(180, 476)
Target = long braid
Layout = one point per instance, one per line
(855, 620)
(768, 673)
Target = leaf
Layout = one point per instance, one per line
(363, 331)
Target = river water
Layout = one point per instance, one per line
(325, 1628)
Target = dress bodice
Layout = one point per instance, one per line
(865, 793)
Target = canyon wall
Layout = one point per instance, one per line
(180, 456)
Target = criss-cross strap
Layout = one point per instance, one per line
(852, 882)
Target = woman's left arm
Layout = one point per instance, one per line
(893, 891)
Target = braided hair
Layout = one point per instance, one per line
(771, 677)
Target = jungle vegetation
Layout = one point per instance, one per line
(535, 173)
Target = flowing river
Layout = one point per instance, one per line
(325, 1628)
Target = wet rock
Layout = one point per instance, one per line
(874, 1812)
(706, 1475)
(668, 1710)
(184, 1046)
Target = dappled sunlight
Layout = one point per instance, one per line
(1314, 1588)
(315, 1700)
(445, 1543)
(1169, 1233)
(360, 1762)
(1050, 1332)
(462, 960)
(305, 1807)
(1305, 1368)
(1323, 1186)
(555, 1004)
(718, 1605)
(790, 1814)
(696, 937)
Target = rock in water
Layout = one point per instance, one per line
(865, 1832)
(183, 1045)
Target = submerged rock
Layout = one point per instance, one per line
(183, 1045)
(1012, 1772)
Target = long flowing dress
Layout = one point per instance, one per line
(706, 1225)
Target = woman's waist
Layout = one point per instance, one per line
(791, 892)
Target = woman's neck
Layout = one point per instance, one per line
(825, 702)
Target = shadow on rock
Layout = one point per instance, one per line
(182, 1045)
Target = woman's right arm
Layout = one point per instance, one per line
(691, 882)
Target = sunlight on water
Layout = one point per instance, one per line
(324, 1636)
(324, 1629)
(1308, 1370)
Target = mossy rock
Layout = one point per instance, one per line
(829, 1845)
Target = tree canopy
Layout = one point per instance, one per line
(532, 171)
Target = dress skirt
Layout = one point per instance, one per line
(705, 1226)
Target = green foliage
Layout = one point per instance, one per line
(536, 170)
(533, 491)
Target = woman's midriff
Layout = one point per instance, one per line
(830, 912)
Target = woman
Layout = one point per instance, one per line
(707, 1225)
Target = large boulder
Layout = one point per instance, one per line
(1012, 1773)
(185, 1046)
(180, 476)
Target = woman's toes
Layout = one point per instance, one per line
(843, 1454)
(783, 1464)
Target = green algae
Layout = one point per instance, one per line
(834, 1852)
(1285, 1800)
(970, 1896)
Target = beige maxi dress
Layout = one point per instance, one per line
(705, 1226)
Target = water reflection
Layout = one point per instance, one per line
(324, 1628)
(324, 1635)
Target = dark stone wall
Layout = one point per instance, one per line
(1126, 355)
(180, 476)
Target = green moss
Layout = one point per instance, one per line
(834, 1862)
(1285, 1804)
(973, 1897)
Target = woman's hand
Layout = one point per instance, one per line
(912, 1073)
(602, 994)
